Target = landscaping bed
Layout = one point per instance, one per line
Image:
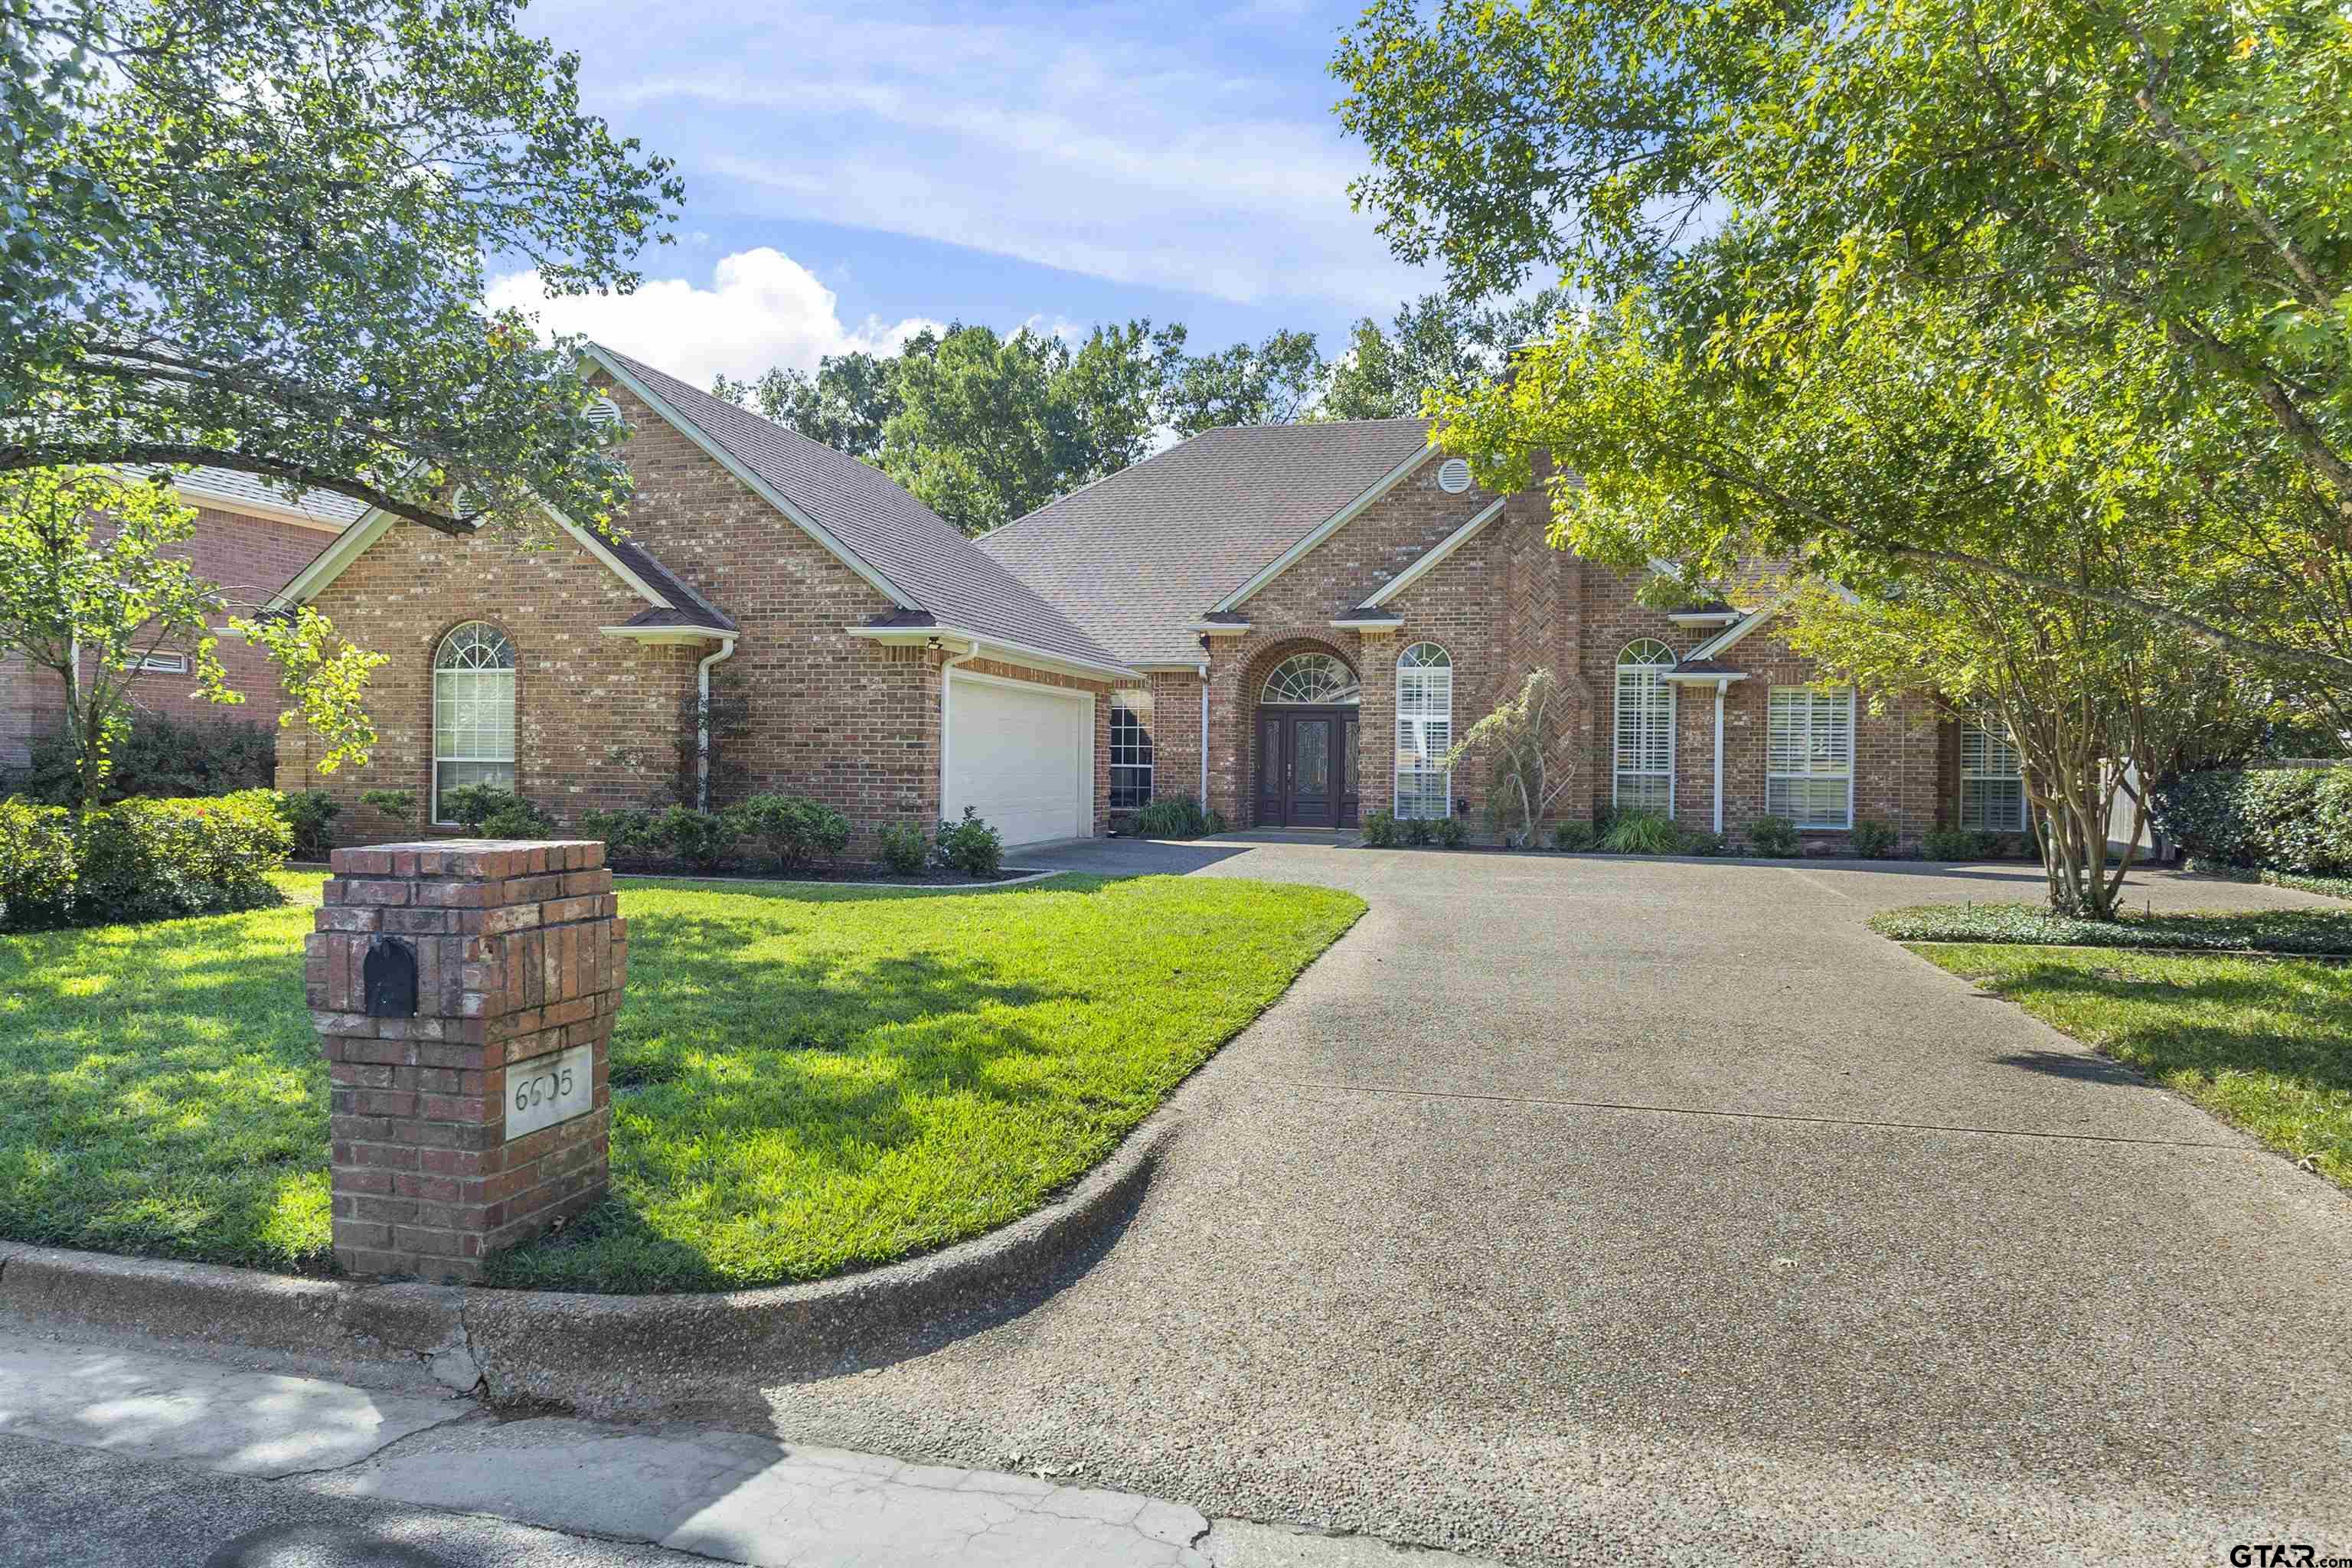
(2264, 1044)
(2310, 932)
(806, 1080)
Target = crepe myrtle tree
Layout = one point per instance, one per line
(253, 233)
(90, 590)
(1527, 744)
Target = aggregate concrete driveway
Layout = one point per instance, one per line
(1591, 1210)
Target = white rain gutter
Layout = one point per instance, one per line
(702, 722)
(1720, 687)
(947, 688)
(1204, 734)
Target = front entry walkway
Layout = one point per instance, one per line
(1586, 1209)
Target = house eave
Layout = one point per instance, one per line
(979, 643)
(1325, 528)
(684, 636)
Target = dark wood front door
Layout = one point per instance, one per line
(1306, 767)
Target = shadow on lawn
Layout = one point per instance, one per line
(2282, 1019)
(727, 1045)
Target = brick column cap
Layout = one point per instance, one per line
(470, 860)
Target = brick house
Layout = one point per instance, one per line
(248, 539)
(1289, 622)
(890, 667)
(1317, 610)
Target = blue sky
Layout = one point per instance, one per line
(852, 170)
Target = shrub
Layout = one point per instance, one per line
(1417, 830)
(1449, 832)
(703, 839)
(1774, 835)
(158, 859)
(904, 852)
(799, 831)
(625, 832)
(1706, 844)
(308, 814)
(162, 757)
(2280, 819)
(400, 805)
(473, 806)
(37, 865)
(1873, 840)
(1574, 836)
(1381, 830)
(1177, 816)
(518, 819)
(1961, 844)
(1642, 833)
(972, 846)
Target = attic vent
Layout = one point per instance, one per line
(603, 411)
(1453, 476)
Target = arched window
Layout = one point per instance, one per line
(473, 710)
(1424, 719)
(1312, 678)
(1645, 729)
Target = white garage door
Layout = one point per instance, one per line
(1021, 756)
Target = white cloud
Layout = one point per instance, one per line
(763, 309)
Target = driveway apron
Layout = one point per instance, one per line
(1583, 1209)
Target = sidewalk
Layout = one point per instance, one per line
(114, 1453)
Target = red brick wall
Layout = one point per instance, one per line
(836, 718)
(1503, 605)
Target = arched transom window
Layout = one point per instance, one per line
(473, 712)
(1312, 678)
(1425, 718)
(1645, 729)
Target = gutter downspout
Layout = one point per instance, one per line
(947, 687)
(702, 722)
(1204, 733)
(1720, 687)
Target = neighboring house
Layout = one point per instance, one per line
(892, 669)
(1322, 609)
(1291, 622)
(248, 539)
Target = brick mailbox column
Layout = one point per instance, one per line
(465, 991)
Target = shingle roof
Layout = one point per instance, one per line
(228, 484)
(1136, 558)
(908, 544)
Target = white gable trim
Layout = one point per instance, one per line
(374, 523)
(1324, 530)
(752, 481)
(1437, 553)
(1731, 636)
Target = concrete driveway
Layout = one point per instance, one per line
(1586, 1210)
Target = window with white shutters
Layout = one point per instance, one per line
(1993, 780)
(1809, 767)
(1645, 729)
(1130, 749)
(473, 712)
(1424, 715)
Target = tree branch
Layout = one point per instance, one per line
(70, 453)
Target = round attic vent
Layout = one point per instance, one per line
(1453, 476)
(603, 411)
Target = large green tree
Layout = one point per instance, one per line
(253, 233)
(1439, 342)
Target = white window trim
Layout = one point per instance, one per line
(433, 782)
(1140, 704)
(1981, 775)
(164, 664)
(1617, 771)
(1445, 774)
(1853, 757)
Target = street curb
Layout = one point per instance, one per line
(624, 1357)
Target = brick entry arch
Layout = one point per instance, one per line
(1303, 754)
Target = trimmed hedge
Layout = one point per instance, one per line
(140, 859)
(160, 758)
(2332, 887)
(2306, 931)
(2279, 819)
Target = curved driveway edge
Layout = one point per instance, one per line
(638, 1356)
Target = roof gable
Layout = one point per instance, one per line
(1137, 557)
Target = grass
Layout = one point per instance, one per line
(807, 1079)
(2266, 1044)
(2307, 931)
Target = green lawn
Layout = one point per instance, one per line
(2265, 1045)
(806, 1080)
